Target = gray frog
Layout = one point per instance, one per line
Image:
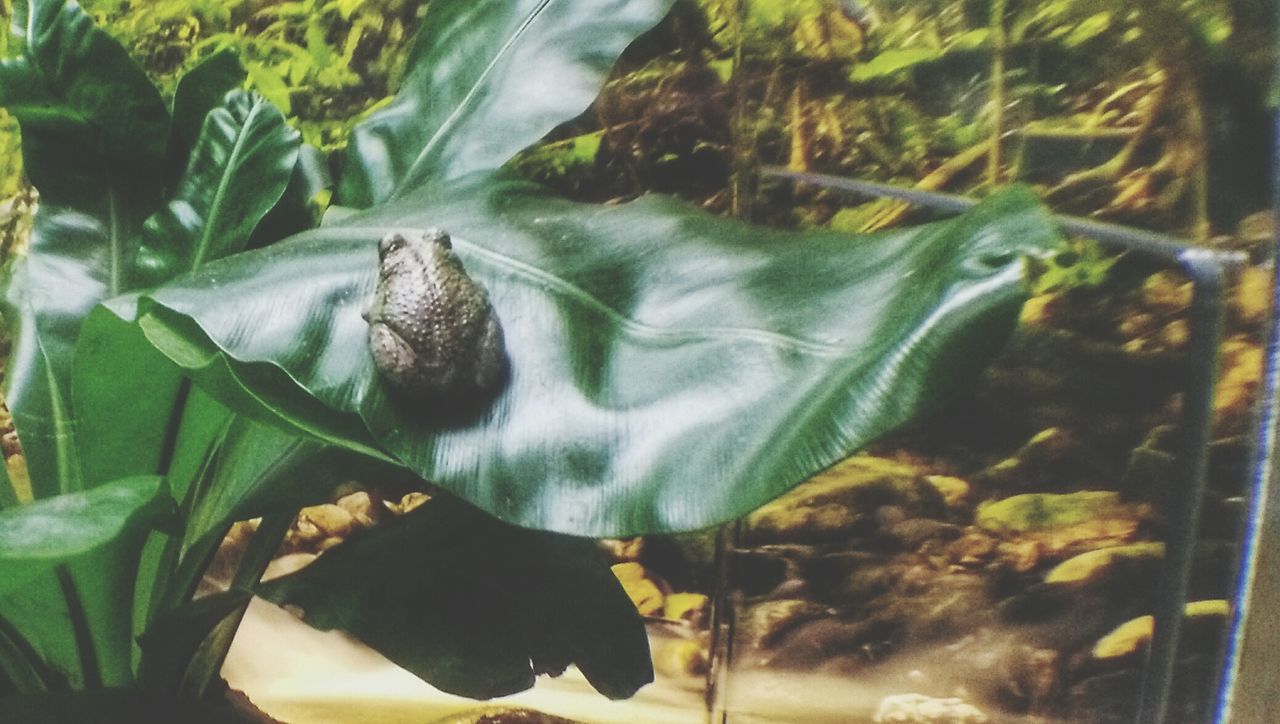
(433, 334)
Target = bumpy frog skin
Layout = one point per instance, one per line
(433, 334)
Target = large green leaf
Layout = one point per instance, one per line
(93, 127)
(488, 78)
(94, 132)
(474, 606)
(670, 369)
(48, 294)
(239, 168)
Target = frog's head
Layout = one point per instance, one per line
(431, 243)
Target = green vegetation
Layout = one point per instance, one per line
(205, 360)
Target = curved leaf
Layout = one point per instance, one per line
(670, 370)
(487, 79)
(36, 537)
(476, 607)
(199, 91)
(240, 166)
(49, 293)
(93, 127)
(94, 131)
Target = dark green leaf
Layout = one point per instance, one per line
(488, 78)
(67, 571)
(170, 643)
(670, 370)
(299, 208)
(199, 91)
(93, 126)
(474, 606)
(239, 168)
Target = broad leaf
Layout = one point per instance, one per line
(94, 131)
(240, 166)
(36, 537)
(93, 126)
(474, 606)
(488, 78)
(670, 370)
(48, 294)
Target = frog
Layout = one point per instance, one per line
(433, 334)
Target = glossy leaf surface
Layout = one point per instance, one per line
(488, 78)
(93, 127)
(670, 370)
(239, 168)
(476, 607)
(38, 536)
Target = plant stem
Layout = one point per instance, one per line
(206, 665)
(20, 666)
(999, 43)
(80, 630)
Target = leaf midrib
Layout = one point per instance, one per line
(414, 168)
(233, 162)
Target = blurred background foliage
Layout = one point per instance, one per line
(1150, 112)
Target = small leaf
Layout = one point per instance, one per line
(476, 607)
(199, 91)
(36, 537)
(241, 165)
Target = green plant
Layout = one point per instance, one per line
(671, 370)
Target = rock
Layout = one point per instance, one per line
(972, 549)
(916, 532)
(366, 511)
(1166, 292)
(409, 502)
(1065, 521)
(642, 588)
(623, 550)
(927, 710)
(497, 714)
(1129, 639)
(842, 502)
(1250, 299)
(286, 564)
(761, 625)
(692, 607)
(956, 492)
(1238, 383)
(681, 658)
(1092, 565)
(332, 521)
(1035, 463)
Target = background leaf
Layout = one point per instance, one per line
(239, 168)
(476, 607)
(93, 127)
(670, 370)
(488, 78)
(201, 90)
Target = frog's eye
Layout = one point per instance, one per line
(439, 236)
(390, 243)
